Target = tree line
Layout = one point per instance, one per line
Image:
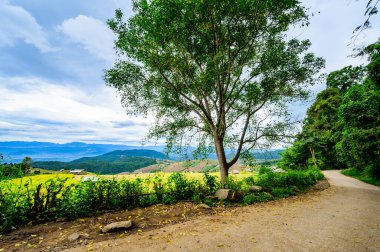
(342, 127)
(11, 170)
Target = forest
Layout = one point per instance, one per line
(342, 127)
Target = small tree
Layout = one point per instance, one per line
(26, 164)
(218, 73)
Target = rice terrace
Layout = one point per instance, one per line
(189, 125)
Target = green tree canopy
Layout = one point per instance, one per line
(26, 164)
(345, 78)
(344, 120)
(359, 115)
(218, 73)
(316, 143)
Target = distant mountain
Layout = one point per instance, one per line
(120, 155)
(45, 151)
(109, 163)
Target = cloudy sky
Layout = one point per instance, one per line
(53, 55)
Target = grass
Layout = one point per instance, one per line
(34, 180)
(358, 175)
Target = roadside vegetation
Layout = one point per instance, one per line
(355, 173)
(42, 198)
(225, 88)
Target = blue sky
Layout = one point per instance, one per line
(53, 55)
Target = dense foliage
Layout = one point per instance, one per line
(361, 176)
(8, 171)
(315, 145)
(359, 116)
(128, 164)
(342, 128)
(57, 199)
(109, 163)
(214, 73)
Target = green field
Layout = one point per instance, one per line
(18, 184)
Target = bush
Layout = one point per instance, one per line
(211, 183)
(264, 169)
(298, 179)
(55, 199)
(363, 176)
(257, 197)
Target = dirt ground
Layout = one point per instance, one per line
(344, 217)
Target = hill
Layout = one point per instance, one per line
(15, 151)
(109, 163)
(44, 151)
(206, 165)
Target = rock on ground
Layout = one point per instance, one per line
(229, 194)
(255, 188)
(204, 206)
(223, 194)
(117, 225)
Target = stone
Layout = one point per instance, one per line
(255, 188)
(73, 237)
(224, 194)
(117, 225)
(203, 206)
(229, 194)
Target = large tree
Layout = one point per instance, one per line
(315, 145)
(216, 73)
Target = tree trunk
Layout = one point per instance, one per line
(312, 150)
(222, 160)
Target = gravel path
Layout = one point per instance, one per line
(345, 217)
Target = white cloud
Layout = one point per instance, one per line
(92, 33)
(34, 109)
(16, 23)
(331, 28)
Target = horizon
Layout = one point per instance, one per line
(49, 151)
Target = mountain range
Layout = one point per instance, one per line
(45, 151)
(109, 163)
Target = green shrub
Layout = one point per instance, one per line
(363, 176)
(300, 179)
(54, 199)
(211, 183)
(234, 183)
(182, 187)
(257, 197)
(283, 192)
(264, 169)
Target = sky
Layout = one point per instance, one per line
(53, 55)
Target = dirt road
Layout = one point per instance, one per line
(345, 217)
